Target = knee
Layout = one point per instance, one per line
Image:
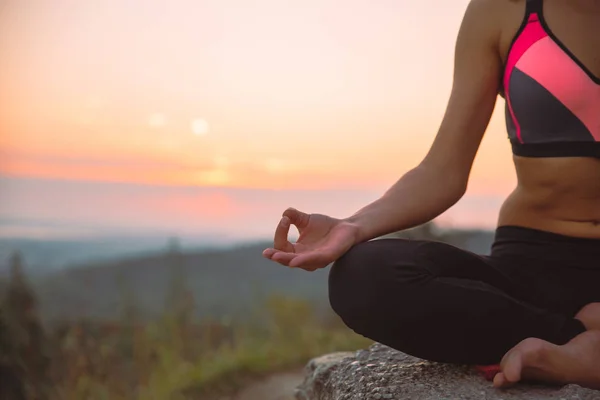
(372, 277)
(352, 281)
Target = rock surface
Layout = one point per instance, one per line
(381, 373)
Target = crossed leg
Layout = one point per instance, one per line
(577, 361)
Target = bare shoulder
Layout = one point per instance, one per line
(482, 21)
(478, 66)
(496, 9)
(498, 20)
(512, 15)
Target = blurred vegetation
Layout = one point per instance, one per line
(175, 356)
(96, 289)
(172, 325)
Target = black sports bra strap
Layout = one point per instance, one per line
(535, 6)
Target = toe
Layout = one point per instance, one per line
(511, 366)
(499, 380)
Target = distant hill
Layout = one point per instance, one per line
(223, 281)
(45, 256)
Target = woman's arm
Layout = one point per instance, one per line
(441, 178)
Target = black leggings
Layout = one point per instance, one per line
(441, 303)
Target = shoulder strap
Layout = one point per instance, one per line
(534, 6)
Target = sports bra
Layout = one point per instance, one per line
(552, 99)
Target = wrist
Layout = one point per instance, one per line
(355, 225)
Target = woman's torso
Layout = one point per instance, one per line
(558, 194)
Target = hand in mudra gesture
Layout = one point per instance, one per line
(322, 240)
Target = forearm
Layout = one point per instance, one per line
(419, 196)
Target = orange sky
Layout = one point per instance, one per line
(263, 94)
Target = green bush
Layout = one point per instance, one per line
(174, 357)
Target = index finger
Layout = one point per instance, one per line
(281, 241)
(297, 217)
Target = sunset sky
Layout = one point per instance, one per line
(215, 115)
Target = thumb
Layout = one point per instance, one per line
(281, 241)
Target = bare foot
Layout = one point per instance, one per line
(537, 360)
(590, 316)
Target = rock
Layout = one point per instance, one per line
(383, 373)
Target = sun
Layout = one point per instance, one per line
(199, 126)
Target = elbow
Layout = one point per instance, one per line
(458, 194)
(455, 185)
(450, 183)
(450, 193)
(458, 186)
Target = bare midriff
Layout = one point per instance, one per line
(560, 195)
